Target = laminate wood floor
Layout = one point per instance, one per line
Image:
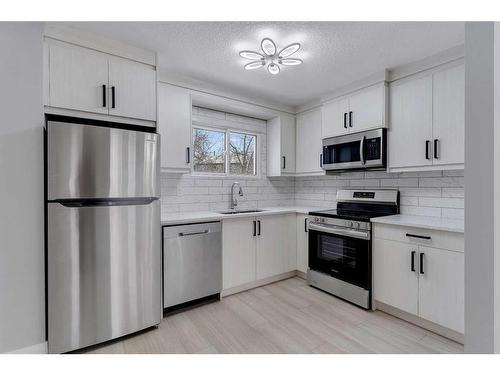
(284, 317)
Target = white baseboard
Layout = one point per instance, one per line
(426, 324)
(33, 349)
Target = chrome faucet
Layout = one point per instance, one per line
(234, 201)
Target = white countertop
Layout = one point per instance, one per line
(204, 216)
(427, 222)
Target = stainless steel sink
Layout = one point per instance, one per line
(233, 212)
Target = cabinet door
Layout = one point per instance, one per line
(302, 243)
(135, 89)
(395, 283)
(76, 78)
(276, 249)
(308, 142)
(367, 108)
(287, 144)
(332, 123)
(449, 115)
(441, 288)
(238, 252)
(174, 125)
(411, 123)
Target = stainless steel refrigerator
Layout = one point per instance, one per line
(103, 233)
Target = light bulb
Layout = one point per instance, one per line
(289, 50)
(251, 55)
(254, 65)
(290, 61)
(273, 68)
(268, 46)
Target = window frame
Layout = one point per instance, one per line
(227, 131)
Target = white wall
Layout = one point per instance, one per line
(482, 180)
(22, 297)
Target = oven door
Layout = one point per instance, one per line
(354, 151)
(341, 253)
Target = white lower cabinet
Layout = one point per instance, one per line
(302, 243)
(238, 252)
(258, 247)
(394, 282)
(441, 288)
(413, 276)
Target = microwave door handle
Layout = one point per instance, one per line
(362, 150)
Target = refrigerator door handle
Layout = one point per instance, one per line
(96, 202)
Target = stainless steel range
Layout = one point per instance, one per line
(340, 260)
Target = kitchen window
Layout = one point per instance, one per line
(224, 152)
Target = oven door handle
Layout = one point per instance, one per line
(340, 231)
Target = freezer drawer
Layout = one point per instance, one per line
(86, 161)
(104, 272)
(192, 256)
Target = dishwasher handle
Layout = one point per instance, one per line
(184, 234)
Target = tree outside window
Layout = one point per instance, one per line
(210, 147)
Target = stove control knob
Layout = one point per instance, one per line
(351, 224)
(358, 225)
(323, 220)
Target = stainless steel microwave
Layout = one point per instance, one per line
(363, 150)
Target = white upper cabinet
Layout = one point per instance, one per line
(78, 79)
(174, 126)
(334, 118)
(308, 143)
(281, 146)
(448, 113)
(367, 108)
(133, 89)
(411, 123)
(361, 110)
(427, 114)
(82, 79)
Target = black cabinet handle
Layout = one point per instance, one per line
(345, 120)
(254, 228)
(321, 160)
(258, 231)
(305, 225)
(427, 144)
(418, 236)
(422, 263)
(350, 119)
(104, 96)
(113, 97)
(284, 162)
(413, 261)
(436, 149)
(188, 155)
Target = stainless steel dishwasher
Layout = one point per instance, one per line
(192, 262)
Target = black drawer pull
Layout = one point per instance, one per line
(350, 119)
(418, 236)
(258, 226)
(305, 225)
(427, 150)
(413, 261)
(254, 228)
(345, 120)
(113, 97)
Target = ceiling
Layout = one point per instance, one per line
(334, 53)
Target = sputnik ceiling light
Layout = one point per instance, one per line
(270, 57)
